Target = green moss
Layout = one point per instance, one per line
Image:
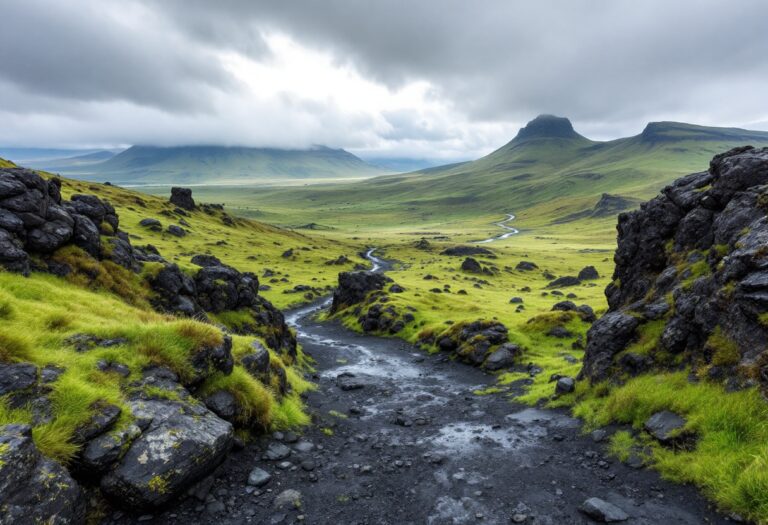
(336, 413)
(621, 445)
(725, 350)
(158, 484)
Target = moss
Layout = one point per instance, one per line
(158, 484)
(14, 346)
(487, 391)
(725, 351)
(621, 445)
(327, 431)
(337, 414)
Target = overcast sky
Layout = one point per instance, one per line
(427, 78)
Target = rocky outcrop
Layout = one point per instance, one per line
(355, 286)
(695, 260)
(34, 489)
(463, 251)
(181, 441)
(35, 221)
(182, 197)
(475, 343)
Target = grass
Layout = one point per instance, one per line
(729, 459)
(45, 310)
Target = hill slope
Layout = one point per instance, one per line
(545, 174)
(215, 164)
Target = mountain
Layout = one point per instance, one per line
(33, 156)
(547, 173)
(72, 163)
(219, 164)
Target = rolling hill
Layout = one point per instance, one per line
(217, 164)
(547, 173)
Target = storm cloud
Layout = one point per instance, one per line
(443, 78)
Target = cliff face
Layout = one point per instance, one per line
(691, 280)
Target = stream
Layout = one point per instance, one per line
(399, 437)
(510, 231)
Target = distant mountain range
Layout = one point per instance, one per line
(211, 164)
(548, 168)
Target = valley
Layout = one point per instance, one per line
(431, 355)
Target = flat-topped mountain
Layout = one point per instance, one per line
(547, 126)
(202, 164)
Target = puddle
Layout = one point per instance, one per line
(534, 415)
(465, 437)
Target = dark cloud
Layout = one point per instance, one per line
(608, 65)
(85, 51)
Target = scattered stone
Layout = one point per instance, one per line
(664, 426)
(277, 452)
(502, 357)
(565, 385)
(602, 511)
(259, 477)
(526, 266)
(588, 273)
(288, 498)
(16, 377)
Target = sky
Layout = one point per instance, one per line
(443, 79)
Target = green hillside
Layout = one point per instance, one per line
(545, 174)
(215, 164)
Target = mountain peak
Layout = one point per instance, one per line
(548, 126)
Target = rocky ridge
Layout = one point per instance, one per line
(692, 265)
(178, 434)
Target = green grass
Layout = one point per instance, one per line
(45, 310)
(729, 459)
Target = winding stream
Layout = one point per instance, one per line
(502, 224)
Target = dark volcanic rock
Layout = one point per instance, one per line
(664, 426)
(471, 265)
(602, 511)
(587, 273)
(182, 197)
(694, 258)
(502, 357)
(355, 286)
(183, 443)
(467, 250)
(567, 280)
(16, 377)
(34, 489)
(526, 266)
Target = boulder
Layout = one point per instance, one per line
(561, 282)
(182, 197)
(182, 444)
(16, 377)
(565, 385)
(34, 489)
(152, 224)
(503, 357)
(464, 251)
(603, 511)
(526, 266)
(176, 231)
(355, 286)
(259, 477)
(607, 337)
(664, 426)
(588, 273)
(471, 265)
